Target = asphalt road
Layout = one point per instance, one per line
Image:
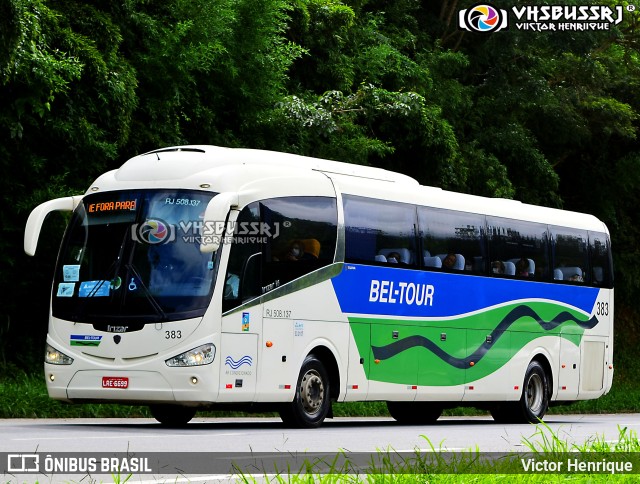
(259, 435)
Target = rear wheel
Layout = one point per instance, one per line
(533, 403)
(415, 413)
(311, 403)
(535, 394)
(172, 415)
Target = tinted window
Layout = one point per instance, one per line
(276, 241)
(386, 233)
(134, 255)
(378, 231)
(243, 280)
(304, 233)
(518, 248)
(601, 274)
(570, 255)
(452, 240)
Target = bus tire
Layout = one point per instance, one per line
(415, 413)
(172, 415)
(533, 403)
(535, 393)
(311, 403)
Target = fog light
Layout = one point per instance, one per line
(194, 380)
(52, 377)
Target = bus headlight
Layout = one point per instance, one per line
(55, 357)
(202, 355)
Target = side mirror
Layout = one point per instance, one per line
(37, 216)
(215, 216)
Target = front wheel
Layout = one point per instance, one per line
(172, 415)
(311, 402)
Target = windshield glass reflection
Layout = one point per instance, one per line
(134, 256)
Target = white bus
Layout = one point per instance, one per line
(201, 277)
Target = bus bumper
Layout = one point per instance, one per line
(185, 385)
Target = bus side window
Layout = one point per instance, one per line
(299, 237)
(571, 255)
(380, 232)
(522, 247)
(452, 240)
(600, 258)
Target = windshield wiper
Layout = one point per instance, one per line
(152, 300)
(111, 273)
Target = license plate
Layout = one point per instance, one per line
(115, 382)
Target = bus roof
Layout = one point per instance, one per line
(179, 162)
(272, 173)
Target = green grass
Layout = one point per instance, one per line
(473, 466)
(24, 395)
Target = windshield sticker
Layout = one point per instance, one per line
(85, 340)
(94, 289)
(66, 289)
(115, 283)
(189, 202)
(71, 273)
(132, 285)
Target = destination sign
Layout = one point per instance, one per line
(112, 206)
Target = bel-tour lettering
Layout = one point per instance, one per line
(394, 292)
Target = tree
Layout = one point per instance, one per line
(544, 117)
(88, 84)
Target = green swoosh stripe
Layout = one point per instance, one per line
(522, 311)
(488, 339)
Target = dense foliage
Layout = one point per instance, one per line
(544, 117)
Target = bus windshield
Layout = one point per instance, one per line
(134, 257)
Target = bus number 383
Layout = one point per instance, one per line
(602, 309)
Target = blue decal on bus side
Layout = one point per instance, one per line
(364, 289)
